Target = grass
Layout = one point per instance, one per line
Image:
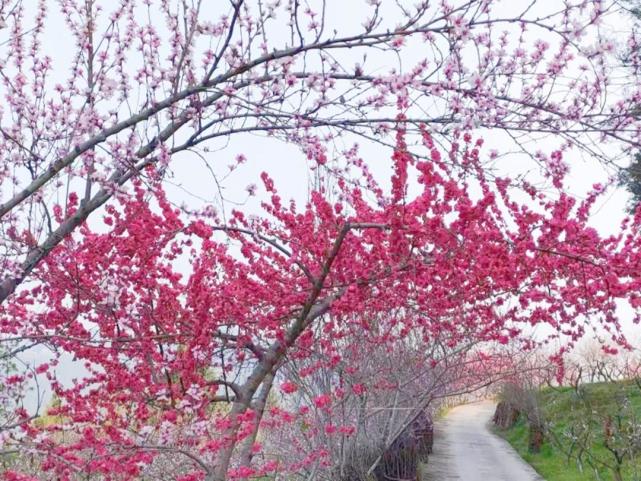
(564, 410)
(549, 463)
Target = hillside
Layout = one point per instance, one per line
(592, 433)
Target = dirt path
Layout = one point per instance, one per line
(465, 449)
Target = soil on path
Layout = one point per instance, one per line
(466, 450)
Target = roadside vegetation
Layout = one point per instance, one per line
(591, 431)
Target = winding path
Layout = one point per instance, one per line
(466, 450)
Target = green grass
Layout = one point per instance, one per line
(563, 409)
(548, 463)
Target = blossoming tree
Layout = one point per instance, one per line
(185, 321)
(137, 94)
(183, 364)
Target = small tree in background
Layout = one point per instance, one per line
(630, 179)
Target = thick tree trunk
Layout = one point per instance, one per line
(246, 453)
